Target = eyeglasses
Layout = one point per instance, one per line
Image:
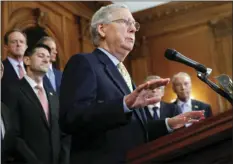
(128, 23)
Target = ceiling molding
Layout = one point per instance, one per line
(190, 18)
(171, 9)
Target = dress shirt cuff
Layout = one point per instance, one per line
(168, 127)
(126, 109)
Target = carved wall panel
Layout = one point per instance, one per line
(58, 20)
(201, 31)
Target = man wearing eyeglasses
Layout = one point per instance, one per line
(99, 104)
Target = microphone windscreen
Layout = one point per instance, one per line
(170, 54)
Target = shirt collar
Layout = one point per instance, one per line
(180, 103)
(14, 62)
(111, 57)
(158, 104)
(51, 66)
(32, 82)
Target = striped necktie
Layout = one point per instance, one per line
(21, 72)
(125, 75)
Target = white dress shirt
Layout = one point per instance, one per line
(150, 107)
(185, 107)
(33, 84)
(2, 128)
(51, 68)
(15, 64)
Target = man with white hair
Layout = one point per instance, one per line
(161, 109)
(99, 105)
(182, 86)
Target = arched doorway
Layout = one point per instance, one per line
(33, 36)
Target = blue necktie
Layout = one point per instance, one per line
(155, 116)
(52, 79)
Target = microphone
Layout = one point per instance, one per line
(171, 54)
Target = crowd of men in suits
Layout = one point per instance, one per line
(93, 112)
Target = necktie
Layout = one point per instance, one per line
(183, 106)
(52, 78)
(21, 72)
(125, 75)
(155, 116)
(43, 100)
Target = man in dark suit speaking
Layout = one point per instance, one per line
(99, 105)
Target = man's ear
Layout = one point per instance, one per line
(101, 29)
(26, 60)
(6, 47)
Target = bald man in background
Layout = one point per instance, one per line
(182, 86)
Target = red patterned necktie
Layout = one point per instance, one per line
(21, 72)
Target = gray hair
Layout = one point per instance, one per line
(180, 74)
(154, 77)
(44, 39)
(103, 15)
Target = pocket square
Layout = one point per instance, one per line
(195, 106)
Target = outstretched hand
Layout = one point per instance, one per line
(188, 117)
(143, 94)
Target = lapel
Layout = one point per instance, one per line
(30, 94)
(195, 105)
(51, 96)
(47, 82)
(117, 78)
(147, 112)
(9, 69)
(5, 116)
(56, 78)
(161, 110)
(112, 72)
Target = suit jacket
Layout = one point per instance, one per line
(38, 140)
(198, 105)
(10, 77)
(58, 76)
(8, 142)
(166, 110)
(91, 110)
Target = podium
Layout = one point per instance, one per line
(207, 142)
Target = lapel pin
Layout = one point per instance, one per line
(51, 93)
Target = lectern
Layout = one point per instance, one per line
(207, 142)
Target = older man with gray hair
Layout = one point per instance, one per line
(182, 86)
(161, 109)
(99, 105)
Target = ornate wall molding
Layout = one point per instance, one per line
(221, 27)
(170, 10)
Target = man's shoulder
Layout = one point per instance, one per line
(168, 105)
(87, 56)
(199, 102)
(6, 62)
